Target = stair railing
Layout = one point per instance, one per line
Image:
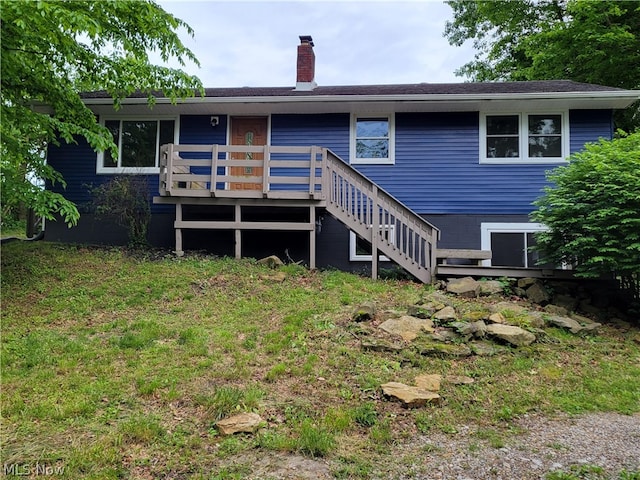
(376, 216)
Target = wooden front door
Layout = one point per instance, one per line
(248, 131)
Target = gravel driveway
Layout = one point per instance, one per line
(607, 440)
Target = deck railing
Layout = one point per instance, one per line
(239, 171)
(311, 173)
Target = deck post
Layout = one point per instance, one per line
(375, 228)
(169, 168)
(312, 238)
(238, 232)
(266, 157)
(179, 251)
(214, 169)
(312, 170)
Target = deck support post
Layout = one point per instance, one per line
(312, 238)
(179, 250)
(238, 232)
(375, 229)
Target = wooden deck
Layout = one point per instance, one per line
(497, 272)
(310, 177)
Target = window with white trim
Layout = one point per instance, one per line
(520, 138)
(372, 139)
(510, 244)
(138, 141)
(360, 249)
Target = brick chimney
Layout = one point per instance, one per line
(306, 66)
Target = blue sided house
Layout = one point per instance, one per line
(342, 176)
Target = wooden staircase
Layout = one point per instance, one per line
(298, 176)
(391, 227)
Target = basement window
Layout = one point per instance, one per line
(138, 141)
(360, 249)
(510, 244)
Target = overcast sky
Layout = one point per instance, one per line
(243, 43)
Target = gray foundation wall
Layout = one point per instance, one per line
(332, 238)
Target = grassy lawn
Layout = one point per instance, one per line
(118, 366)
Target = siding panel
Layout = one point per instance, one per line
(437, 169)
(330, 131)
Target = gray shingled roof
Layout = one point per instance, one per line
(471, 88)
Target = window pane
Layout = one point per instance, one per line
(534, 256)
(167, 131)
(545, 124)
(114, 127)
(502, 147)
(139, 143)
(502, 125)
(545, 146)
(372, 148)
(507, 249)
(362, 246)
(372, 127)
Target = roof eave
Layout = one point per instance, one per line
(627, 95)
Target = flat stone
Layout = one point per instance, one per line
(458, 380)
(565, 322)
(271, 261)
(538, 294)
(479, 329)
(407, 327)
(277, 277)
(476, 329)
(508, 306)
(464, 287)
(497, 318)
(410, 397)
(490, 287)
(514, 335)
(556, 310)
(585, 321)
(447, 313)
(536, 319)
(474, 316)
(445, 335)
(429, 382)
(380, 346)
(526, 282)
(243, 422)
(364, 311)
(444, 350)
(424, 310)
(484, 349)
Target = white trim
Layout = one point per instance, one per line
(486, 229)
(390, 160)
(523, 135)
(355, 257)
(102, 170)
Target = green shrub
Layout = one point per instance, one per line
(593, 212)
(127, 199)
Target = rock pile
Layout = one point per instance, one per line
(440, 325)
